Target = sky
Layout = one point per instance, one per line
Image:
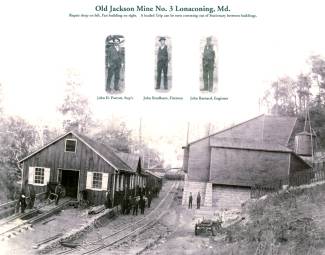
(40, 43)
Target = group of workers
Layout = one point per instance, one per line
(198, 201)
(128, 203)
(131, 204)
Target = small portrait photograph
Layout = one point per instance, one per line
(209, 64)
(163, 70)
(114, 64)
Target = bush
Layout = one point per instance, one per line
(285, 220)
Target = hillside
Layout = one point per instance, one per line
(291, 222)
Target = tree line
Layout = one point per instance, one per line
(294, 96)
(18, 137)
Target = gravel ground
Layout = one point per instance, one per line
(179, 237)
(63, 222)
(173, 234)
(100, 231)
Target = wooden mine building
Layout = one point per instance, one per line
(225, 165)
(80, 163)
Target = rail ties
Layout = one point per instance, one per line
(127, 230)
(15, 224)
(9, 208)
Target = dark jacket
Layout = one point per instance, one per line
(108, 202)
(142, 202)
(163, 55)
(32, 193)
(208, 55)
(114, 57)
(22, 200)
(134, 202)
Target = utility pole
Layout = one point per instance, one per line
(188, 131)
(140, 137)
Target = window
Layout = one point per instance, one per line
(70, 145)
(97, 180)
(39, 175)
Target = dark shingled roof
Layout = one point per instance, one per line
(270, 129)
(132, 160)
(155, 174)
(107, 152)
(278, 129)
(237, 143)
(103, 150)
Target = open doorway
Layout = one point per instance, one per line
(70, 181)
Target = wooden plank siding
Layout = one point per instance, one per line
(199, 161)
(84, 159)
(247, 167)
(297, 165)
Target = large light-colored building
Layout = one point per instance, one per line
(225, 165)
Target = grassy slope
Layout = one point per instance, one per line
(292, 222)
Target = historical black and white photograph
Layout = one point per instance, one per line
(209, 64)
(163, 63)
(115, 63)
(211, 141)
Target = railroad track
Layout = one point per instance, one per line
(127, 230)
(17, 216)
(25, 224)
(9, 208)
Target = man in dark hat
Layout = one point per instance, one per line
(162, 63)
(190, 200)
(108, 201)
(149, 196)
(198, 200)
(135, 204)
(114, 63)
(22, 202)
(142, 204)
(208, 64)
(128, 205)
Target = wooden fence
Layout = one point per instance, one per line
(297, 179)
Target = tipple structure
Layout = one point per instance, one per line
(225, 165)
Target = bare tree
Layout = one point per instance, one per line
(75, 107)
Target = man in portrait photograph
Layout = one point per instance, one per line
(114, 61)
(208, 64)
(162, 63)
